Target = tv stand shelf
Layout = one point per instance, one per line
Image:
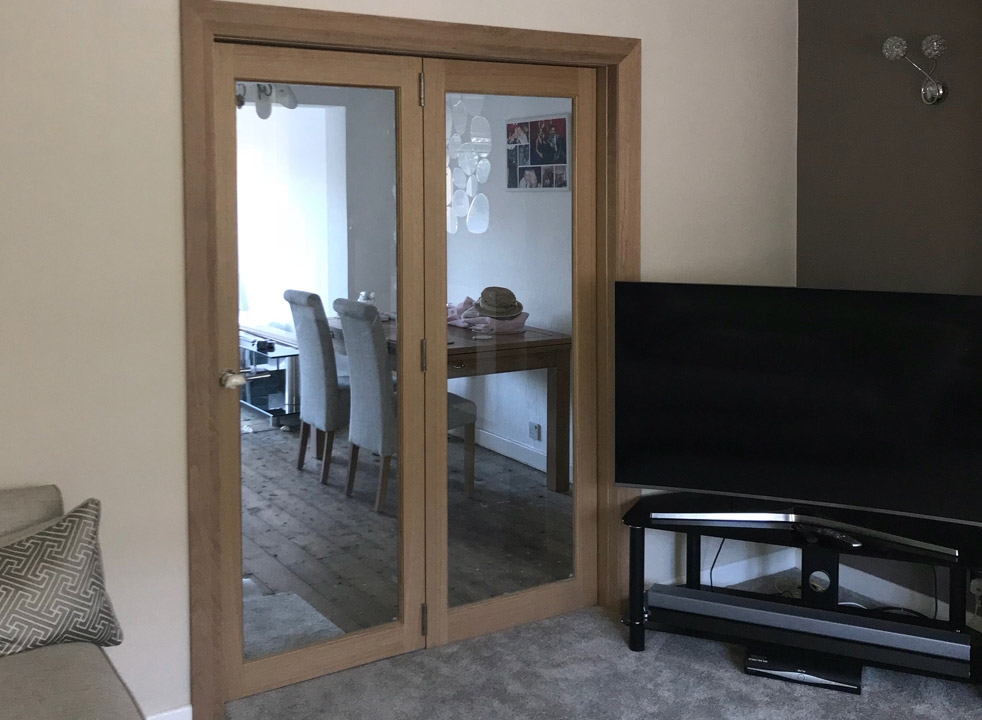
(816, 621)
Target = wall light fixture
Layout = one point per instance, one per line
(933, 90)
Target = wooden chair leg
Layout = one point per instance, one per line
(383, 483)
(304, 434)
(469, 441)
(319, 445)
(352, 466)
(328, 449)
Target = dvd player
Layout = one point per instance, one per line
(800, 666)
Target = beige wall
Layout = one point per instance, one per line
(91, 277)
(91, 291)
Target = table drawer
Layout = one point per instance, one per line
(500, 362)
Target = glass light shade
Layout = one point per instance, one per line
(479, 214)
(283, 94)
(263, 106)
(481, 135)
(459, 114)
(483, 170)
(453, 145)
(894, 48)
(449, 123)
(460, 203)
(467, 159)
(471, 186)
(933, 47)
(449, 186)
(459, 178)
(474, 104)
(451, 222)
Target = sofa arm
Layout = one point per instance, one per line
(74, 680)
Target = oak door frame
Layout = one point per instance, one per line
(205, 22)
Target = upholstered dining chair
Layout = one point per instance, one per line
(373, 423)
(325, 398)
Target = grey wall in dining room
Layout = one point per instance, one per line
(369, 177)
(371, 173)
(888, 187)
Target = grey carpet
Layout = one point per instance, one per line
(578, 667)
(283, 621)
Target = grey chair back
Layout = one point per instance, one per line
(373, 401)
(324, 403)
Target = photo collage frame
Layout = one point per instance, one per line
(538, 154)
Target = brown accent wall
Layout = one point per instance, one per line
(889, 189)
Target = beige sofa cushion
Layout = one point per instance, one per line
(22, 507)
(63, 681)
(72, 680)
(52, 588)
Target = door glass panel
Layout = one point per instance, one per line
(317, 213)
(509, 336)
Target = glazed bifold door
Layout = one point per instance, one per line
(320, 252)
(511, 261)
(406, 301)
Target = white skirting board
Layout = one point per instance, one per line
(183, 713)
(889, 593)
(509, 448)
(734, 573)
(738, 562)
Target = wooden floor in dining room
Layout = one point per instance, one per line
(341, 557)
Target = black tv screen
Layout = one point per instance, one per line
(868, 400)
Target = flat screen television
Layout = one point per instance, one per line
(868, 400)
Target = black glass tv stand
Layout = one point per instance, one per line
(815, 622)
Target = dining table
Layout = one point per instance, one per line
(471, 353)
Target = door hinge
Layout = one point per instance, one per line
(422, 90)
(422, 354)
(425, 614)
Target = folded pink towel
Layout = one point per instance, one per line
(455, 312)
(495, 326)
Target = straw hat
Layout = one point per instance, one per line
(498, 302)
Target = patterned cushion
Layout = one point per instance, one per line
(52, 588)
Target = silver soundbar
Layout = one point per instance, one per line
(871, 631)
(792, 518)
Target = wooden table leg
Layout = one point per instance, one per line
(557, 443)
